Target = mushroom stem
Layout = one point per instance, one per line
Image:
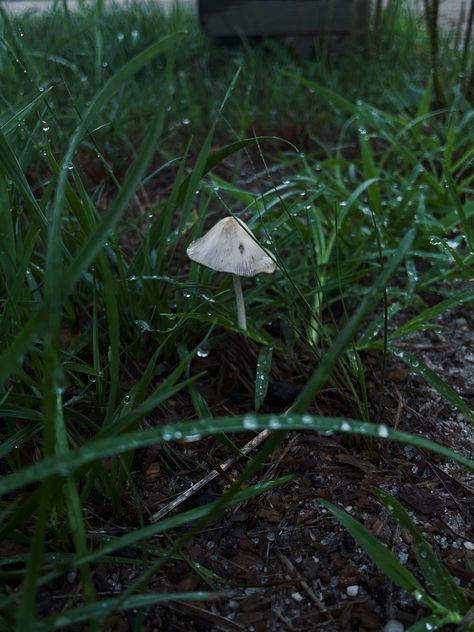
(239, 299)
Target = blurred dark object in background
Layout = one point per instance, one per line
(261, 18)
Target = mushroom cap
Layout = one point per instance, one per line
(230, 247)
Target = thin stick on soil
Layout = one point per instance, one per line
(248, 447)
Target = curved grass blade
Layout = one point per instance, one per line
(421, 369)
(443, 586)
(381, 555)
(11, 168)
(417, 323)
(217, 156)
(7, 126)
(139, 535)
(105, 607)
(64, 465)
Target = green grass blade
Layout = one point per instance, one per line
(96, 238)
(370, 172)
(26, 611)
(65, 465)
(8, 125)
(343, 340)
(12, 358)
(433, 379)
(105, 607)
(458, 205)
(380, 555)
(10, 167)
(442, 585)
(264, 365)
(419, 321)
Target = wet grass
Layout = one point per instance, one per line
(123, 136)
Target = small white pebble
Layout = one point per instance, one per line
(393, 626)
(297, 596)
(469, 545)
(352, 591)
(403, 557)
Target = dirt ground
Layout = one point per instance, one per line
(281, 560)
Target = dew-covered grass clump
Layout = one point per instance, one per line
(163, 463)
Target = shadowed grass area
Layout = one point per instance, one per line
(123, 136)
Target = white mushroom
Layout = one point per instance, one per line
(231, 247)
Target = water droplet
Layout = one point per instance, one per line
(186, 294)
(202, 352)
(120, 36)
(135, 34)
(185, 121)
(127, 399)
(250, 422)
(383, 431)
(346, 426)
(44, 126)
(274, 423)
(342, 203)
(104, 64)
(142, 325)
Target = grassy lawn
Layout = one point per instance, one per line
(124, 136)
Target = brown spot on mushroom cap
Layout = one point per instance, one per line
(230, 246)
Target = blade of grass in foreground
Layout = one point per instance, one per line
(54, 269)
(421, 369)
(107, 606)
(139, 535)
(381, 556)
(64, 465)
(11, 167)
(443, 586)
